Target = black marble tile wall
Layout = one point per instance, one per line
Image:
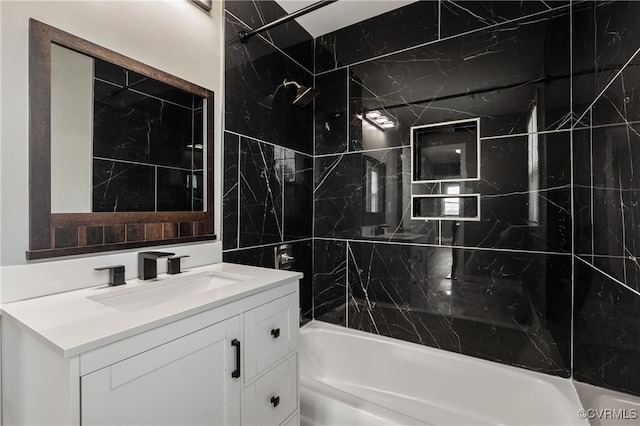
(329, 281)
(457, 17)
(263, 256)
(413, 24)
(275, 193)
(260, 194)
(457, 79)
(230, 191)
(268, 149)
(559, 194)
(608, 41)
(297, 187)
(465, 301)
(605, 202)
(290, 37)
(607, 331)
(253, 71)
(331, 114)
(341, 201)
(499, 288)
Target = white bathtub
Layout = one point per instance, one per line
(348, 377)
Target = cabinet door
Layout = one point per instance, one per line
(270, 333)
(186, 381)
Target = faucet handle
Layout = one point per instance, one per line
(173, 264)
(116, 274)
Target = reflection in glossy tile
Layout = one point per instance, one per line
(450, 80)
(408, 26)
(175, 192)
(342, 199)
(329, 281)
(260, 193)
(449, 298)
(331, 113)
(122, 187)
(297, 172)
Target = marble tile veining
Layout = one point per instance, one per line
(260, 193)
(607, 332)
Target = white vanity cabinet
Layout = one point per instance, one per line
(185, 381)
(233, 364)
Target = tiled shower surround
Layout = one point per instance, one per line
(547, 279)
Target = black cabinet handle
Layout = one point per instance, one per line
(275, 400)
(235, 374)
(275, 332)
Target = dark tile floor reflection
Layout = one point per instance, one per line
(480, 303)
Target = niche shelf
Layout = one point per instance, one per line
(445, 164)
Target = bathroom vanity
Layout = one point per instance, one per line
(216, 344)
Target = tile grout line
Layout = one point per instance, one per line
(572, 185)
(592, 189)
(439, 20)
(346, 285)
(268, 143)
(402, 243)
(313, 198)
(482, 139)
(348, 111)
(137, 163)
(238, 191)
(299, 240)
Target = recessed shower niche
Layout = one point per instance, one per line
(445, 161)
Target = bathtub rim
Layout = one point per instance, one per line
(564, 386)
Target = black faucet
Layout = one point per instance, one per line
(147, 265)
(116, 274)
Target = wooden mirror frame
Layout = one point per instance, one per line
(63, 234)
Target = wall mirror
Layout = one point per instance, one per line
(121, 154)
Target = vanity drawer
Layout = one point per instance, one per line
(270, 333)
(273, 397)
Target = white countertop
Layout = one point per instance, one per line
(70, 323)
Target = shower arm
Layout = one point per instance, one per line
(246, 35)
(286, 84)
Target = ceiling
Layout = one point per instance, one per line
(339, 14)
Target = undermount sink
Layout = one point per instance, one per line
(156, 292)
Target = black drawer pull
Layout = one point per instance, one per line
(275, 332)
(235, 374)
(275, 400)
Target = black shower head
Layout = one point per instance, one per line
(304, 95)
